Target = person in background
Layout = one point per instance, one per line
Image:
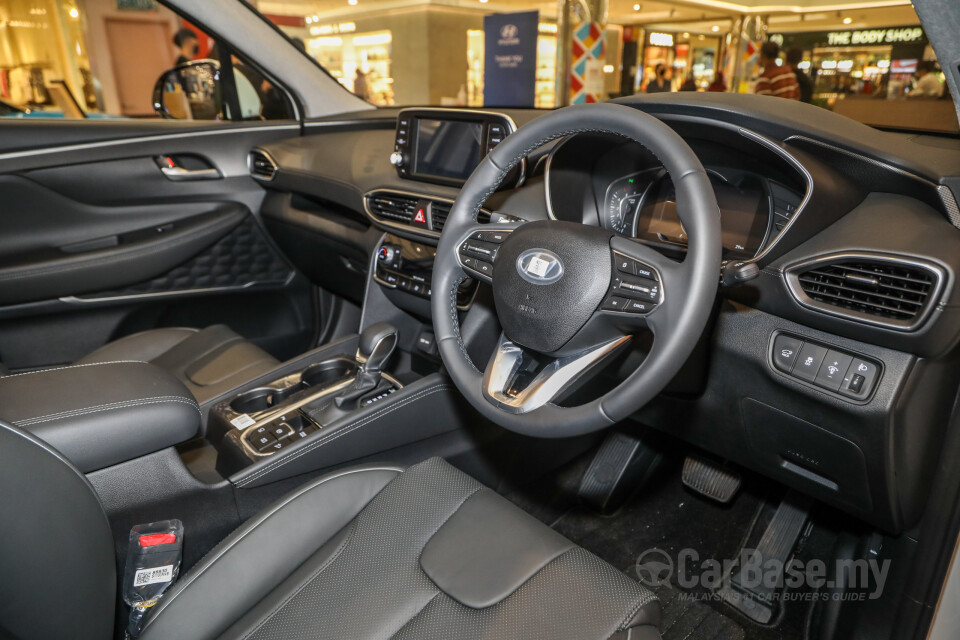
(927, 85)
(718, 83)
(775, 80)
(690, 84)
(659, 83)
(794, 58)
(187, 45)
(360, 87)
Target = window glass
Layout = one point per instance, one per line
(103, 58)
(873, 63)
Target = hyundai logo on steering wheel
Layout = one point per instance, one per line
(539, 266)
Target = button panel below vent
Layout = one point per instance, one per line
(888, 291)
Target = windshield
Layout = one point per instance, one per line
(872, 64)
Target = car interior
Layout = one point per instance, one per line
(437, 372)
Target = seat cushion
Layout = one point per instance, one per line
(209, 361)
(373, 553)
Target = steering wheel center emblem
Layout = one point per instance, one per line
(539, 266)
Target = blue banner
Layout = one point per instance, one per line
(510, 59)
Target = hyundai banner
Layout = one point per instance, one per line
(510, 59)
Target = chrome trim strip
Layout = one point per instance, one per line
(792, 278)
(13, 155)
(551, 382)
(179, 292)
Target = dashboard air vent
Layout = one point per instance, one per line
(888, 291)
(395, 207)
(262, 166)
(438, 213)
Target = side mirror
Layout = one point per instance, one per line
(190, 91)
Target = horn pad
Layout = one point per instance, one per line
(548, 280)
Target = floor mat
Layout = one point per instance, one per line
(667, 518)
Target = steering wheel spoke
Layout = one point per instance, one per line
(519, 381)
(479, 245)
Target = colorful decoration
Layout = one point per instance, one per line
(586, 71)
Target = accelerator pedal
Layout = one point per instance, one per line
(752, 586)
(710, 479)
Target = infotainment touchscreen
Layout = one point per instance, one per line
(447, 148)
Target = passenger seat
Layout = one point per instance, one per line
(209, 361)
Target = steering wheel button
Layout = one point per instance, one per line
(639, 306)
(626, 265)
(644, 271)
(468, 262)
(495, 237)
(485, 268)
(614, 303)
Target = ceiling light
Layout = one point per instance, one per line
(686, 34)
(483, 1)
(636, 7)
(316, 19)
(352, 3)
(74, 13)
(309, 20)
(847, 20)
(715, 28)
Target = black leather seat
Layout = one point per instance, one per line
(209, 361)
(368, 552)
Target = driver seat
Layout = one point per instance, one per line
(374, 551)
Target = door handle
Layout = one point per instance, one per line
(179, 174)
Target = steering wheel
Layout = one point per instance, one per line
(568, 295)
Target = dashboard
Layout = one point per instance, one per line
(855, 233)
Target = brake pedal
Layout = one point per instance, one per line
(710, 479)
(619, 466)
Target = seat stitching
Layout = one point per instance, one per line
(646, 598)
(276, 608)
(250, 526)
(340, 432)
(76, 366)
(106, 407)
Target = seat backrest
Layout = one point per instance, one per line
(57, 563)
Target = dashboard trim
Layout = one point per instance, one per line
(792, 279)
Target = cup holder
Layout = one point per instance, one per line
(260, 399)
(327, 372)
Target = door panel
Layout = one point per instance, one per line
(98, 243)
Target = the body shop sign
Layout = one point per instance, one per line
(875, 36)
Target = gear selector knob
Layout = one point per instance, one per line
(377, 343)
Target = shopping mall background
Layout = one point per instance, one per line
(109, 53)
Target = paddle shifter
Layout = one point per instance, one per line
(377, 343)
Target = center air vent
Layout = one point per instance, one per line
(262, 166)
(893, 292)
(392, 206)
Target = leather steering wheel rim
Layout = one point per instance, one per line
(691, 285)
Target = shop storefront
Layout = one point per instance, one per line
(866, 62)
(686, 56)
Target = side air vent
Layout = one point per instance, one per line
(262, 166)
(880, 290)
(395, 207)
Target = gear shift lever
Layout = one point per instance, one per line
(377, 343)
